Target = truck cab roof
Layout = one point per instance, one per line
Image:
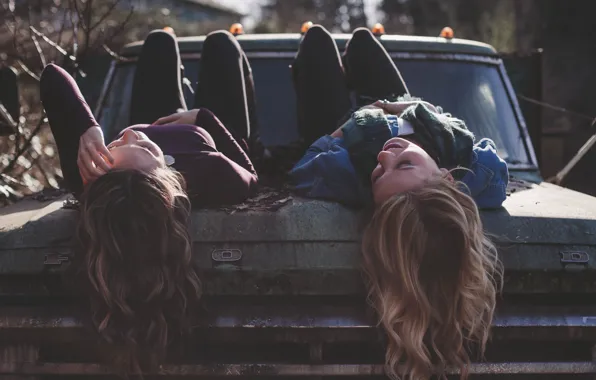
(291, 41)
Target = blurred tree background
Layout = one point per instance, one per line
(83, 35)
(339, 16)
(490, 21)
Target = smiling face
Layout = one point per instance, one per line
(403, 166)
(134, 150)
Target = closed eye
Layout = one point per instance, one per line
(404, 165)
(134, 146)
(148, 147)
(139, 144)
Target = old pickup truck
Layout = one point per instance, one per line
(284, 291)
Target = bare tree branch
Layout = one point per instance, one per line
(88, 8)
(122, 25)
(6, 178)
(42, 57)
(86, 28)
(105, 16)
(28, 70)
(103, 41)
(7, 117)
(43, 172)
(76, 8)
(115, 55)
(53, 44)
(25, 146)
(62, 27)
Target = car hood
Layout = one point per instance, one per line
(312, 246)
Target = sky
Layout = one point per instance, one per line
(251, 8)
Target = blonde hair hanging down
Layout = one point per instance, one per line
(433, 279)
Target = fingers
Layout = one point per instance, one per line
(83, 170)
(83, 177)
(370, 106)
(397, 108)
(393, 108)
(86, 163)
(105, 152)
(98, 159)
(167, 119)
(431, 107)
(382, 105)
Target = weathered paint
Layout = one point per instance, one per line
(309, 319)
(85, 369)
(545, 216)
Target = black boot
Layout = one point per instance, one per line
(157, 86)
(371, 73)
(319, 81)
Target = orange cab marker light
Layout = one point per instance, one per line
(305, 27)
(169, 29)
(237, 29)
(378, 29)
(447, 33)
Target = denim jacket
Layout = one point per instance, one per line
(327, 171)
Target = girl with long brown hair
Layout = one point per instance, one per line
(134, 249)
(433, 275)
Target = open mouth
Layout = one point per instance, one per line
(393, 145)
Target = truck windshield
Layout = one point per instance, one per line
(471, 91)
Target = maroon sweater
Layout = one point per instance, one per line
(216, 169)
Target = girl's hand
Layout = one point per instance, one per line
(94, 158)
(338, 133)
(396, 108)
(185, 117)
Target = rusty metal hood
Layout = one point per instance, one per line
(544, 214)
(546, 237)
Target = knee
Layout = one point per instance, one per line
(51, 80)
(316, 36)
(50, 72)
(222, 42)
(362, 36)
(46, 80)
(159, 41)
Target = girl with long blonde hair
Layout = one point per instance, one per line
(433, 278)
(433, 274)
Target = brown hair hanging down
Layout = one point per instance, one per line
(135, 263)
(433, 279)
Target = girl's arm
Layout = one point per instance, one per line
(488, 176)
(219, 181)
(223, 139)
(326, 172)
(80, 140)
(396, 108)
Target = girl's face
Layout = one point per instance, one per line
(403, 166)
(134, 150)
